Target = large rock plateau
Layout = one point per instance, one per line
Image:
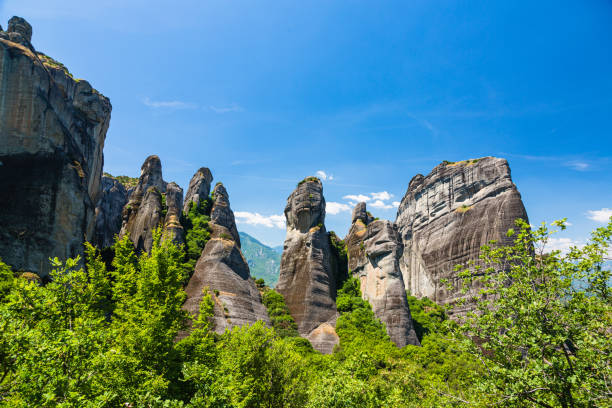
(374, 249)
(307, 278)
(445, 218)
(52, 132)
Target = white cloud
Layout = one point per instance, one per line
(226, 109)
(381, 204)
(602, 215)
(561, 244)
(271, 221)
(323, 175)
(336, 208)
(383, 195)
(357, 197)
(168, 104)
(395, 204)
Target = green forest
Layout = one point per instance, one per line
(104, 333)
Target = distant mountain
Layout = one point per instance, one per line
(264, 261)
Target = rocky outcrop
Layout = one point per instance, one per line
(173, 229)
(446, 216)
(108, 212)
(224, 271)
(221, 214)
(374, 249)
(52, 132)
(143, 212)
(307, 279)
(199, 187)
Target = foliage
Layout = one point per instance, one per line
(264, 262)
(542, 325)
(127, 181)
(427, 316)
(197, 231)
(340, 257)
(281, 319)
(308, 179)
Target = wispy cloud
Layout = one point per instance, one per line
(168, 104)
(381, 204)
(383, 195)
(226, 109)
(323, 175)
(336, 208)
(602, 215)
(560, 244)
(357, 198)
(270, 221)
(577, 165)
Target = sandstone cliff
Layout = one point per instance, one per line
(143, 212)
(374, 249)
(224, 271)
(173, 229)
(307, 279)
(446, 216)
(52, 132)
(108, 212)
(199, 187)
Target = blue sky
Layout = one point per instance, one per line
(265, 93)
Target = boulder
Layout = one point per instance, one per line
(52, 132)
(307, 278)
(374, 250)
(223, 270)
(445, 218)
(108, 212)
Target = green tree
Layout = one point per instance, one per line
(542, 325)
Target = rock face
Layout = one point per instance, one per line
(52, 132)
(374, 250)
(143, 212)
(108, 212)
(307, 279)
(223, 269)
(446, 216)
(172, 221)
(199, 187)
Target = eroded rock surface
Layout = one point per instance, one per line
(172, 221)
(108, 212)
(374, 249)
(143, 212)
(446, 216)
(52, 132)
(199, 188)
(225, 272)
(307, 279)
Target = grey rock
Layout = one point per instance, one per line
(172, 221)
(445, 218)
(223, 270)
(374, 249)
(52, 132)
(143, 212)
(307, 278)
(222, 214)
(199, 188)
(108, 212)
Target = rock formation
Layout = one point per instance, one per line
(374, 249)
(143, 212)
(172, 220)
(199, 187)
(108, 212)
(52, 132)
(307, 279)
(224, 271)
(446, 216)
